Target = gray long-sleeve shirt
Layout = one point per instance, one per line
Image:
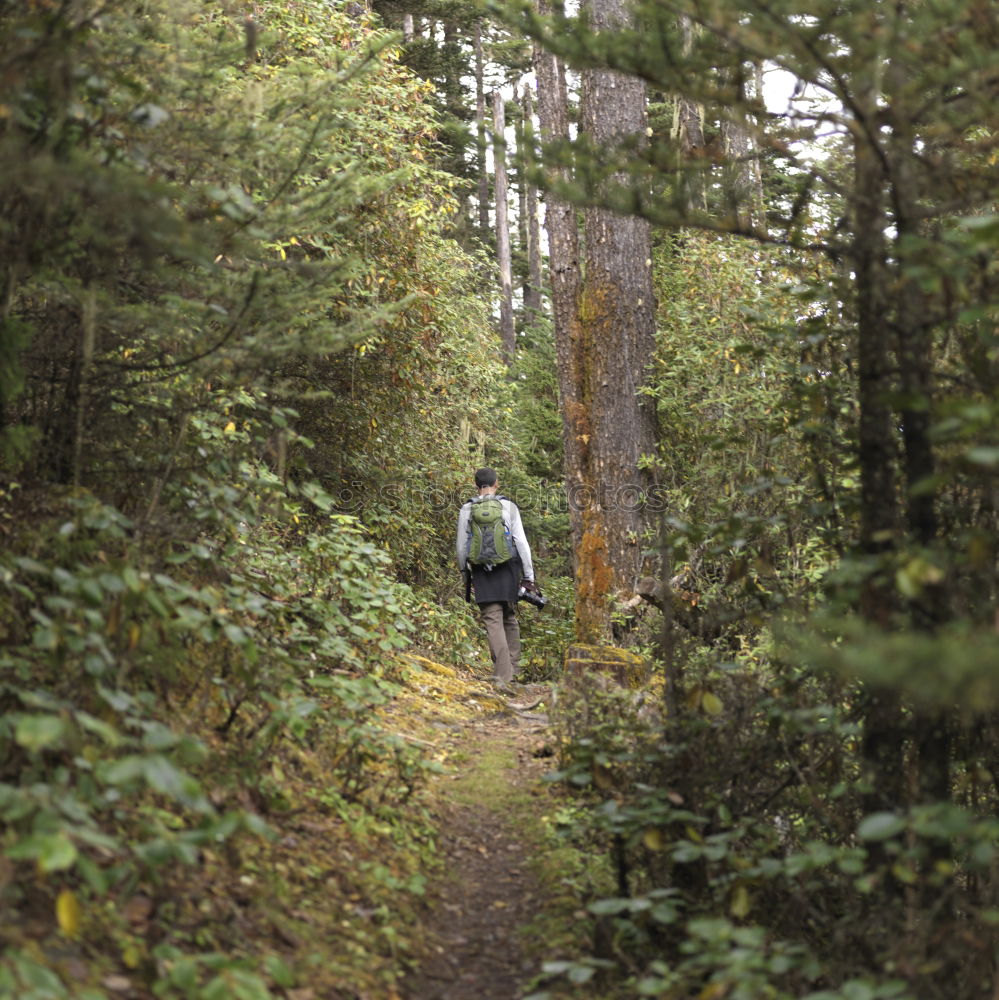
(511, 517)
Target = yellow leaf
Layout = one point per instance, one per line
(603, 777)
(68, 913)
(739, 904)
(711, 703)
(114, 619)
(913, 577)
(134, 634)
(714, 991)
(131, 956)
(654, 839)
(230, 428)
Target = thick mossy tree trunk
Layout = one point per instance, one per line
(604, 334)
(617, 326)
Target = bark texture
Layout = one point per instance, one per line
(737, 151)
(507, 332)
(604, 337)
(688, 133)
(533, 287)
(480, 131)
(615, 426)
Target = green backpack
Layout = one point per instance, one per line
(489, 542)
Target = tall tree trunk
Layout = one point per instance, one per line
(688, 134)
(617, 318)
(759, 202)
(913, 350)
(520, 184)
(452, 93)
(407, 28)
(913, 326)
(88, 342)
(883, 740)
(564, 278)
(507, 333)
(738, 171)
(532, 289)
(480, 131)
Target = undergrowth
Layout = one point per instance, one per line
(744, 863)
(197, 789)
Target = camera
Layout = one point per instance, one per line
(529, 592)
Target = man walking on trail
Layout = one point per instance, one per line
(492, 549)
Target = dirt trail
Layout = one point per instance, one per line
(487, 893)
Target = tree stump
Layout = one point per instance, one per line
(584, 661)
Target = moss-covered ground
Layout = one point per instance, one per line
(505, 890)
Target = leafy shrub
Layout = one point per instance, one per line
(745, 861)
(547, 632)
(192, 639)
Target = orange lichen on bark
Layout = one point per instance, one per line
(595, 304)
(594, 581)
(578, 417)
(596, 574)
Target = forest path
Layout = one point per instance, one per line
(487, 893)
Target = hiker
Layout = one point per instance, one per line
(494, 556)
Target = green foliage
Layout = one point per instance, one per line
(445, 65)
(534, 479)
(104, 788)
(746, 858)
(746, 520)
(398, 424)
(196, 644)
(906, 662)
(751, 859)
(267, 252)
(754, 861)
(244, 374)
(539, 425)
(547, 632)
